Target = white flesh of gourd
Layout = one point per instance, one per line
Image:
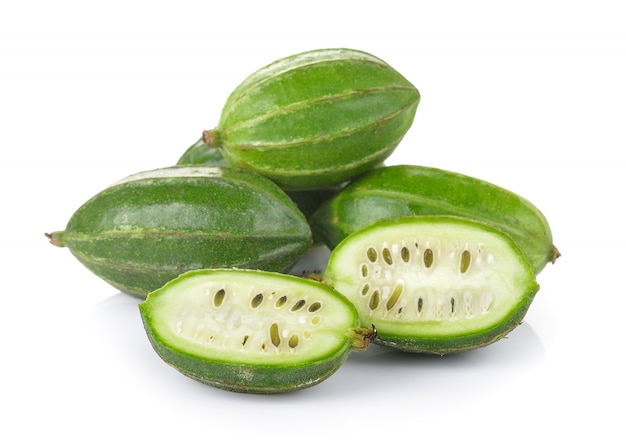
(256, 319)
(430, 278)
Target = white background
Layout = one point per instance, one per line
(527, 94)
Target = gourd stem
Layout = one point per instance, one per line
(362, 337)
(55, 238)
(211, 138)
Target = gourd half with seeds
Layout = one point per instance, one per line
(148, 228)
(316, 119)
(434, 284)
(252, 331)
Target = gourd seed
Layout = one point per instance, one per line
(405, 254)
(364, 271)
(394, 297)
(466, 257)
(218, 299)
(387, 256)
(374, 300)
(372, 255)
(293, 341)
(298, 305)
(280, 302)
(257, 300)
(428, 258)
(274, 335)
(315, 307)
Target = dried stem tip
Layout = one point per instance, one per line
(211, 138)
(55, 239)
(362, 337)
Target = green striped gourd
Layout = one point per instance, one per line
(148, 228)
(406, 190)
(317, 118)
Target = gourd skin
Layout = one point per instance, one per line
(406, 190)
(145, 230)
(254, 379)
(201, 154)
(308, 201)
(316, 119)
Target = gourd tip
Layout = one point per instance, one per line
(211, 138)
(53, 238)
(362, 337)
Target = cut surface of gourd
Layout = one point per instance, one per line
(250, 331)
(434, 284)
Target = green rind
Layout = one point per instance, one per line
(199, 153)
(145, 230)
(459, 344)
(318, 118)
(425, 337)
(276, 376)
(253, 379)
(308, 201)
(408, 190)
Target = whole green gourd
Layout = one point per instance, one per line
(316, 119)
(409, 190)
(148, 228)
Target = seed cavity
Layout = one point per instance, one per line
(316, 320)
(452, 303)
(439, 308)
(218, 298)
(466, 258)
(372, 254)
(257, 300)
(405, 254)
(394, 297)
(298, 305)
(274, 335)
(486, 300)
(293, 341)
(387, 256)
(420, 304)
(280, 302)
(428, 258)
(374, 300)
(365, 289)
(467, 304)
(245, 340)
(315, 307)
(364, 271)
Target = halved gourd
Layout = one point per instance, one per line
(433, 284)
(252, 331)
